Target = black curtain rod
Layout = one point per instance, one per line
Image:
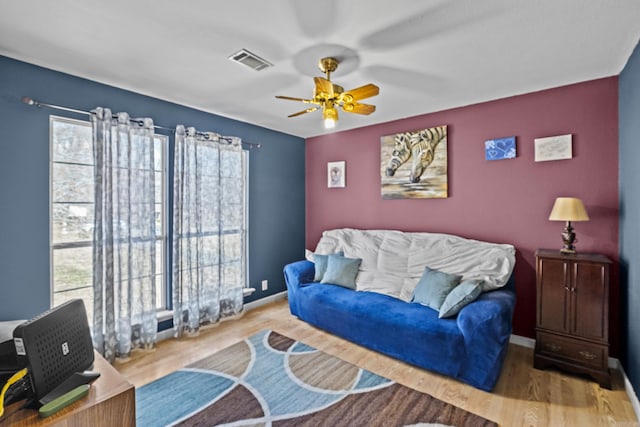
(31, 101)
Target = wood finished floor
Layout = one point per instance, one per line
(523, 396)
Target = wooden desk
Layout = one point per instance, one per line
(111, 402)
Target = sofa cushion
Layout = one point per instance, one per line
(341, 271)
(463, 294)
(320, 262)
(433, 287)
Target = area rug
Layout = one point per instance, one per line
(272, 380)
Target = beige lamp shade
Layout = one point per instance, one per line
(568, 209)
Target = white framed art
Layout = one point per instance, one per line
(553, 148)
(336, 174)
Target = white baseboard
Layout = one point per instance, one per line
(168, 333)
(633, 397)
(266, 300)
(613, 364)
(165, 334)
(522, 341)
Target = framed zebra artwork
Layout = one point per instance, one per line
(413, 165)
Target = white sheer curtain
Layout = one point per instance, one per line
(208, 229)
(124, 243)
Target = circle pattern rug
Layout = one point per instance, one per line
(272, 380)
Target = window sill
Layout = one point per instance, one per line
(164, 315)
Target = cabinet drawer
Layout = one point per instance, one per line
(573, 350)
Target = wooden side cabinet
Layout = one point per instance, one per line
(572, 313)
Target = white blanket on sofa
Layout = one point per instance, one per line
(393, 261)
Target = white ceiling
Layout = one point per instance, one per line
(426, 55)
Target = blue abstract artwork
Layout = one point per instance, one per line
(501, 148)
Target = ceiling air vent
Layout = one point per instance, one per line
(251, 60)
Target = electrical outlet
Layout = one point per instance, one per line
(265, 284)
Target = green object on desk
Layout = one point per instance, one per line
(64, 400)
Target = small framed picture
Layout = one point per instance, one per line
(336, 174)
(500, 148)
(553, 148)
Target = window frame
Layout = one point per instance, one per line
(163, 238)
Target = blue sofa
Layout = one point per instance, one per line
(469, 347)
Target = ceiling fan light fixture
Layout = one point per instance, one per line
(328, 95)
(330, 116)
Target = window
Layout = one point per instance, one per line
(72, 215)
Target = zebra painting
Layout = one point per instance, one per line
(421, 147)
(401, 152)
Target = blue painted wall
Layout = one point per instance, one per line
(276, 180)
(629, 151)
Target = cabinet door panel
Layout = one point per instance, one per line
(591, 300)
(553, 309)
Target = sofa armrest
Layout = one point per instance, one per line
(491, 313)
(486, 325)
(296, 275)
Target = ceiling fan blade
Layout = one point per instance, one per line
(308, 110)
(290, 98)
(361, 92)
(359, 108)
(324, 87)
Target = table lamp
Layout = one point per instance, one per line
(568, 209)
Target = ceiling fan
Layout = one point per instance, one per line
(328, 96)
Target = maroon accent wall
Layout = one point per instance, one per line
(504, 201)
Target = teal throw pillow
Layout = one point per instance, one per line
(461, 295)
(320, 262)
(433, 287)
(342, 271)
